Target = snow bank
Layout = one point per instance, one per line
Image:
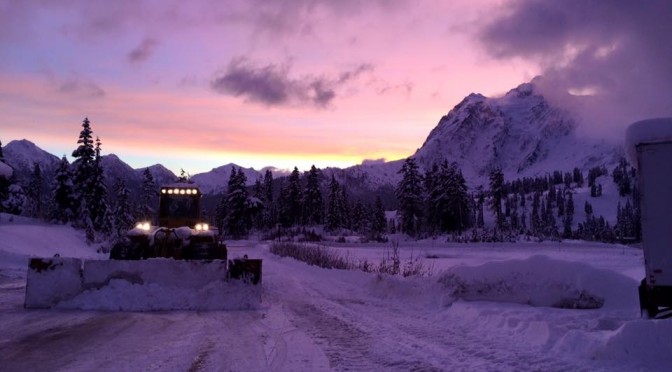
(28, 237)
(646, 131)
(541, 281)
(148, 285)
(644, 342)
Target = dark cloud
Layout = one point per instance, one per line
(81, 88)
(618, 50)
(143, 51)
(272, 85)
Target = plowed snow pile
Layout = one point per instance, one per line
(146, 285)
(541, 281)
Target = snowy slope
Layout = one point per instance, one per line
(115, 169)
(160, 174)
(22, 155)
(519, 132)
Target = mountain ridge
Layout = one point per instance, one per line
(519, 132)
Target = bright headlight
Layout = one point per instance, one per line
(202, 227)
(142, 226)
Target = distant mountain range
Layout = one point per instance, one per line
(520, 132)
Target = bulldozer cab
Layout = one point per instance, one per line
(179, 205)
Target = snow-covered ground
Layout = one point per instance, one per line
(485, 307)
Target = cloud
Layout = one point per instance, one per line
(80, 87)
(143, 51)
(617, 51)
(272, 85)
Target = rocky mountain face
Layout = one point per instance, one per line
(22, 155)
(521, 133)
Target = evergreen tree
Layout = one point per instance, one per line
(184, 176)
(358, 219)
(258, 195)
(535, 219)
(409, 197)
(238, 221)
(2, 157)
(98, 202)
(497, 193)
(334, 219)
(379, 222)
(480, 222)
(83, 175)
(269, 213)
(35, 192)
(621, 178)
(123, 212)
(313, 207)
(62, 195)
(568, 217)
(15, 201)
(578, 177)
(588, 208)
(148, 195)
(290, 200)
(449, 205)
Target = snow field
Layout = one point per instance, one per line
(316, 319)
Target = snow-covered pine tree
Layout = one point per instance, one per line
(258, 194)
(313, 207)
(358, 218)
(497, 193)
(15, 201)
(148, 196)
(294, 197)
(346, 209)
(63, 204)
(535, 219)
(333, 218)
(378, 222)
(35, 192)
(409, 197)
(434, 197)
(568, 217)
(480, 222)
(184, 176)
(270, 209)
(237, 221)
(99, 202)
(124, 217)
(83, 165)
(578, 177)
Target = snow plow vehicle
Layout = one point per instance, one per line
(178, 264)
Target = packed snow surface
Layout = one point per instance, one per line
(485, 307)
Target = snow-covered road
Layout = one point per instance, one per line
(313, 319)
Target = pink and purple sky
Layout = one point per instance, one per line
(198, 84)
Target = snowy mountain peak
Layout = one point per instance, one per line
(519, 132)
(22, 155)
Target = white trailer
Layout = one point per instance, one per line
(649, 147)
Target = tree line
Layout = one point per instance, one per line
(434, 202)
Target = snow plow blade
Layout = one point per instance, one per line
(143, 285)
